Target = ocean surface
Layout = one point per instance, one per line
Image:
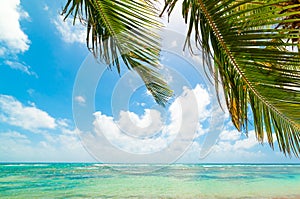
(60, 180)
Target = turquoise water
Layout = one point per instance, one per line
(149, 181)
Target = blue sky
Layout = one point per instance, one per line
(41, 56)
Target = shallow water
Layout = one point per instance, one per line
(149, 181)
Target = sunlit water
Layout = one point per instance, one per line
(149, 181)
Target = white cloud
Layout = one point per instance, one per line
(12, 142)
(67, 139)
(63, 123)
(46, 8)
(146, 125)
(232, 141)
(247, 143)
(233, 148)
(12, 37)
(148, 133)
(31, 118)
(232, 135)
(174, 44)
(63, 147)
(236, 149)
(22, 67)
(107, 126)
(203, 100)
(80, 100)
(142, 104)
(68, 32)
(15, 135)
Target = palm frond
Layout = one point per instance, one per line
(124, 31)
(250, 44)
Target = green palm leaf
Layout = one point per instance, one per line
(248, 41)
(124, 31)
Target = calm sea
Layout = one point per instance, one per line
(149, 181)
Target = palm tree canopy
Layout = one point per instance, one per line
(250, 43)
(253, 45)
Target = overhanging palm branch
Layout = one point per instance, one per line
(124, 31)
(250, 44)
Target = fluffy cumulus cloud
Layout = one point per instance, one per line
(56, 140)
(21, 67)
(150, 132)
(70, 33)
(30, 118)
(142, 126)
(12, 37)
(127, 139)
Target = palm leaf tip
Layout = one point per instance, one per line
(155, 84)
(124, 30)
